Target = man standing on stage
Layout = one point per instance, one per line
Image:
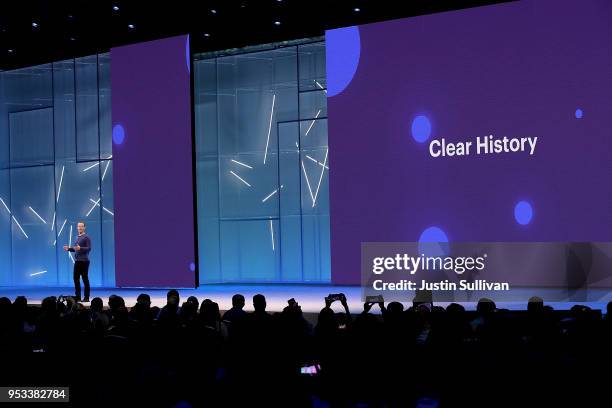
(81, 249)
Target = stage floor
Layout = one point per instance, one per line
(310, 297)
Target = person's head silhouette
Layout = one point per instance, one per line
(485, 306)
(144, 299)
(209, 312)
(173, 297)
(259, 303)
(395, 308)
(535, 304)
(238, 301)
(194, 300)
(96, 305)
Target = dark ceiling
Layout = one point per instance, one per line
(39, 31)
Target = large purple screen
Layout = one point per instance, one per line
(152, 164)
(405, 97)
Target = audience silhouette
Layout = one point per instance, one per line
(384, 356)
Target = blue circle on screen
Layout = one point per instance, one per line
(118, 134)
(523, 212)
(434, 242)
(192, 267)
(421, 128)
(578, 113)
(342, 53)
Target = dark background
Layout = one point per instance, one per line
(69, 28)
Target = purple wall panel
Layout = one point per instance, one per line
(531, 68)
(152, 164)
